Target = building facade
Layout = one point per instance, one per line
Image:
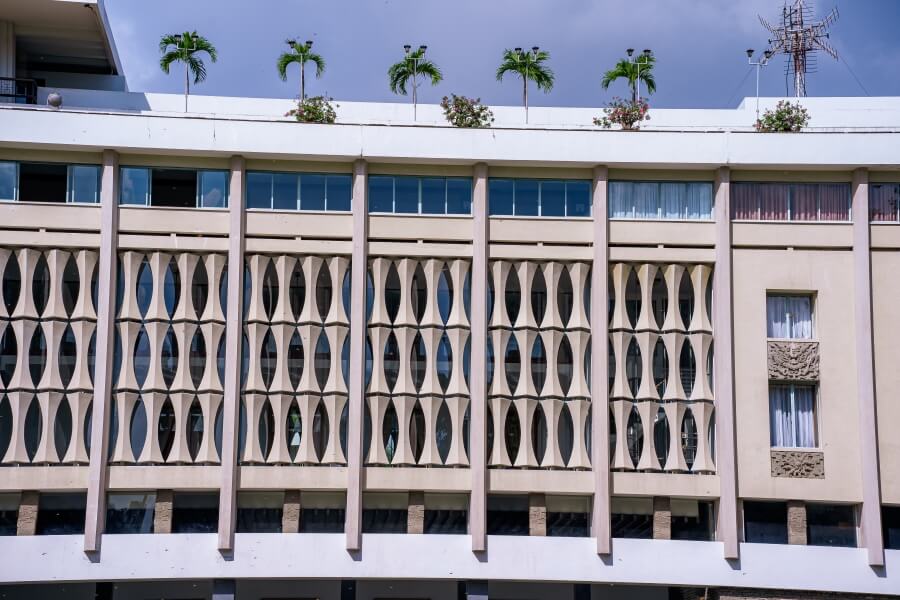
(246, 357)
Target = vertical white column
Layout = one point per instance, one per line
(478, 371)
(870, 517)
(723, 327)
(357, 391)
(95, 510)
(7, 49)
(233, 344)
(601, 526)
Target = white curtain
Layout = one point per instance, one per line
(653, 200)
(621, 200)
(791, 416)
(789, 317)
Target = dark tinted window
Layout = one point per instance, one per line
(890, 519)
(568, 524)
(765, 522)
(259, 512)
(507, 515)
(61, 514)
(9, 512)
(384, 520)
(130, 513)
(174, 188)
(831, 525)
(42, 182)
(692, 520)
(446, 521)
(195, 513)
(322, 520)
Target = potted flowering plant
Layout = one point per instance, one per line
(785, 117)
(315, 109)
(466, 112)
(626, 114)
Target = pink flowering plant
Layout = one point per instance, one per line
(466, 112)
(785, 117)
(315, 109)
(625, 113)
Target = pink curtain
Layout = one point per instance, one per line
(883, 201)
(803, 202)
(834, 202)
(744, 204)
(773, 201)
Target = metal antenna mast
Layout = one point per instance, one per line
(799, 38)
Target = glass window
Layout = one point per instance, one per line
(42, 182)
(195, 512)
(130, 513)
(578, 198)
(765, 522)
(259, 512)
(632, 518)
(8, 180)
(84, 184)
(650, 200)
(792, 418)
(61, 514)
(884, 201)
(9, 513)
(446, 513)
(527, 197)
(381, 194)
(459, 196)
(692, 520)
(173, 188)
(553, 199)
(285, 191)
(501, 193)
(312, 192)
(568, 516)
(213, 189)
(338, 192)
(135, 186)
(789, 317)
(259, 190)
(322, 512)
(890, 518)
(831, 525)
(406, 195)
(507, 515)
(384, 513)
(790, 201)
(434, 196)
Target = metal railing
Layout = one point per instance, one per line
(18, 91)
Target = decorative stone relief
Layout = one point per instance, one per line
(803, 465)
(794, 361)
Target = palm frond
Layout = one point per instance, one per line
(197, 68)
(428, 69)
(286, 59)
(510, 64)
(317, 60)
(167, 59)
(201, 44)
(398, 74)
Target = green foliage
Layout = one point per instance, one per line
(316, 109)
(632, 72)
(412, 66)
(466, 112)
(627, 115)
(185, 50)
(528, 65)
(786, 117)
(300, 53)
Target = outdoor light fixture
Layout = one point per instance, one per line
(749, 52)
(535, 49)
(630, 51)
(423, 48)
(647, 52)
(309, 43)
(407, 48)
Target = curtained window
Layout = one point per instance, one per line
(884, 201)
(789, 317)
(792, 420)
(751, 201)
(652, 200)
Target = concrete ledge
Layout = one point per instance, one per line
(387, 556)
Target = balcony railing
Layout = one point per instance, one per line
(18, 91)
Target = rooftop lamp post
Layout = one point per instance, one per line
(415, 58)
(764, 61)
(646, 54)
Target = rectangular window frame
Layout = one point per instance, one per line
(70, 190)
(15, 184)
(813, 307)
(659, 206)
(198, 193)
(419, 208)
(791, 192)
(816, 418)
(895, 212)
(540, 205)
(299, 200)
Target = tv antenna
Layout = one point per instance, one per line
(800, 38)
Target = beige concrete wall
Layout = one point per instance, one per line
(829, 276)
(886, 334)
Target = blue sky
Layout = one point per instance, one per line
(699, 46)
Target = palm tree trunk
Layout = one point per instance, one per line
(415, 99)
(525, 96)
(302, 82)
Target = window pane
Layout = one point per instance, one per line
(284, 191)
(831, 525)
(553, 199)
(792, 422)
(646, 200)
(699, 200)
(621, 200)
(259, 190)
(459, 196)
(213, 189)
(381, 194)
(173, 188)
(578, 199)
(772, 199)
(135, 186)
(85, 182)
(338, 192)
(765, 522)
(42, 182)
(834, 202)
(526, 200)
(789, 317)
(406, 199)
(500, 196)
(312, 192)
(434, 196)
(130, 513)
(7, 181)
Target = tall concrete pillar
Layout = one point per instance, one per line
(95, 509)
(870, 515)
(233, 334)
